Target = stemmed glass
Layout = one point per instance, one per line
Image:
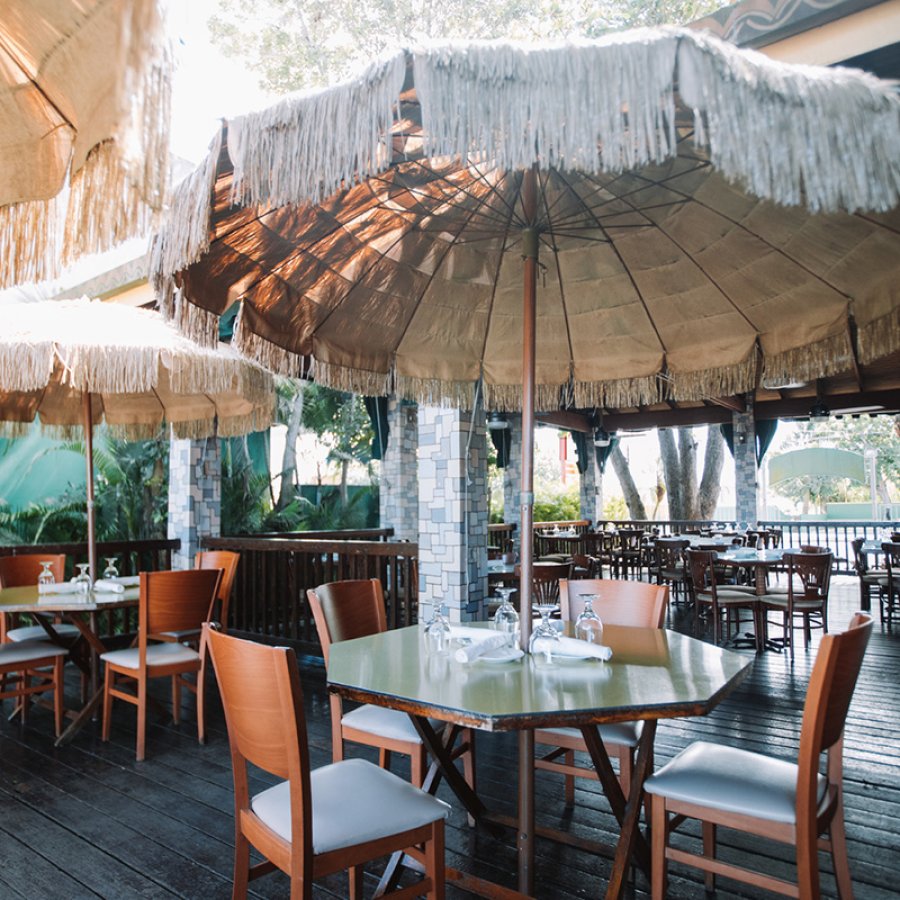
(437, 632)
(506, 619)
(545, 638)
(83, 579)
(588, 625)
(111, 571)
(45, 576)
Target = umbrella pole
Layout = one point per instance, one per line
(89, 460)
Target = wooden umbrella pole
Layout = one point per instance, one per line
(89, 461)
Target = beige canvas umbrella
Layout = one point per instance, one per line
(77, 363)
(692, 219)
(83, 129)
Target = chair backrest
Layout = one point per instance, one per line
(828, 696)
(813, 548)
(633, 603)
(227, 561)
(176, 601)
(669, 553)
(347, 609)
(860, 563)
(545, 581)
(630, 539)
(701, 566)
(811, 573)
(23, 570)
(263, 704)
(891, 558)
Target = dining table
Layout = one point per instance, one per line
(83, 611)
(761, 562)
(652, 674)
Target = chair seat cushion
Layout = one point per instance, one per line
(778, 601)
(29, 651)
(157, 655)
(625, 733)
(386, 723)
(352, 802)
(37, 633)
(731, 780)
(729, 597)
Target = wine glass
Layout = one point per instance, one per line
(506, 619)
(588, 625)
(46, 576)
(544, 639)
(111, 571)
(83, 579)
(437, 632)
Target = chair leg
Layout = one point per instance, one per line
(658, 841)
(141, 717)
(709, 851)
(108, 681)
(384, 758)
(569, 757)
(201, 704)
(355, 876)
(418, 764)
(58, 708)
(434, 861)
(176, 699)
(241, 878)
(839, 856)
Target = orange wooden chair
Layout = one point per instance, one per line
(33, 667)
(173, 602)
(227, 561)
(23, 570)
(790, 802)
(351, 609)
(630, 603)
(313, 822)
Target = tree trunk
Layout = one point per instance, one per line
(288, 488)
(687, 451)
(671, 473)
(632, 497)
(345, 468)
(711, 482)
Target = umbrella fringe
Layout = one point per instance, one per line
(830, 356)
(719, 381)
(434, 392)
(617, 393)
(26, 366)
(880, 337)
(270, 356)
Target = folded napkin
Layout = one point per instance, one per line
(484, 643)
(61, 587)
(125, 580)
(579, 649)
(109, 586)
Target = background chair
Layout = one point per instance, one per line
(22, 570)
(169, 602)
(349, 609)
(872, 580)
(33, 667)
(891, 590)
(313, 822)
(631, 603)
(785, 801)
(545, 581)
(671, 567)
(629, 552)
(227, 561)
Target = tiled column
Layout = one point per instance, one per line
(398, 491)
(195, 495)
(512, 479)
(745, 470)
(590, 488)
(453, 513)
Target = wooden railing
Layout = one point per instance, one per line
(346, 534)
(269, 594)
(500, 535)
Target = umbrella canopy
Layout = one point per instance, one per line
(83, 105)
(77, 362)
(690, 218)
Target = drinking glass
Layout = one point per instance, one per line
(588, 625)
(506, 619)
(545, 638)
(111, 571)
(83, 579)
(437, 632)
(45, 576)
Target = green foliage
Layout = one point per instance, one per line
(615, 508)
(559, 506)
(339, 420)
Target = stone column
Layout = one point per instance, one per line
(590, 487)
(453, 513)
(398, 490)
(512, 479)
(745, 471)
(195, 495)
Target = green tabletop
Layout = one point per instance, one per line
(653, 674)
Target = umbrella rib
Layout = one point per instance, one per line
(32, 79)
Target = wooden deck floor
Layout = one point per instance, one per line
(87, 821)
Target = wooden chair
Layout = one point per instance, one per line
(173, 602)
(672, 567)
(872, 581)
(23, 570)
(891, 590)
(629, 552)
(630, 603)
(33, 667)
(545, 581)
(227, 561)
(720, 602)
(790, 802)
(808, 580)
(349, 609)
(312, 822)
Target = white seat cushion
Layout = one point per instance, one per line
(731, 780)
(352, 802)
(729, 596)
(157, 655)
(386, 723)
(28, 651)
(627, 733)
(37, 633)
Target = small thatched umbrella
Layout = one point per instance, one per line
(76, 363)
(83, 129)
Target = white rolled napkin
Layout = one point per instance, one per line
(124, 580)
(484, 643)
(108, 586)
(61, 587)
(579, 649)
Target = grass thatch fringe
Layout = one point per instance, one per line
(356, 381)
(880, 337)
(830, 356)
(619, 393)
(720, 381)
(193, 321)
(270, 356)
(30, 241)
(433, 392)
(26, 366)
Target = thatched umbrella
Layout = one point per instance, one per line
(77, 363)
(83, 129)
(692, 218)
